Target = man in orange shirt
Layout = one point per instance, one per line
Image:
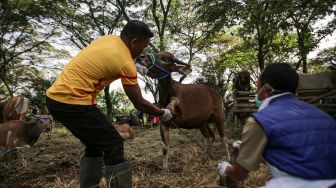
(72, 100)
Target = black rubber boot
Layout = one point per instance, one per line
(119, 176)
(91, 171)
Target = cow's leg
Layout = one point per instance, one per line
(174, 101)
(164, 130)
(205, 132)
(219, 122)
(51, 123)
(211, 134)
(9, 133)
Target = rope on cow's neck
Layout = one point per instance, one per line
(191, 139)
(153, 64)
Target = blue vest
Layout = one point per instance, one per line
(301, 138)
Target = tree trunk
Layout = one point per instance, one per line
(261, 60)
(301, 34)
(304, 63)
(109, 107)
(3, 78)
(303, 54)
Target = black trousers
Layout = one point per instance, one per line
(90, 126)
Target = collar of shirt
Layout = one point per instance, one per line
(267, 101)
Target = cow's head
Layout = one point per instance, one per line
(162, 64)
(44, 122)
(241, 81)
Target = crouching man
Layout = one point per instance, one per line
(72, 100)
(296, 140)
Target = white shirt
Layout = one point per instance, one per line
(281, 179)
(266, 102)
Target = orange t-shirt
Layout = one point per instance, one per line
(96, 66)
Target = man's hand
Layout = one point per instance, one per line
(222, 167)
(236, 144)
(141, 69)
(167, 115)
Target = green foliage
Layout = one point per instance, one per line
(24, 36)
(62, 131)
(219, 13)
(214, 75)
(259, 21)
(303, 16)
(268, 25)
(30, 82)
(84, 21)
(238, 58)
(119, 100)
(282, 48)
(326, 56)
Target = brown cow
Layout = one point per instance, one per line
(16, 133)
(14, 109)
(125, 130)
(192, 106)
(132, 120)
(241, 81)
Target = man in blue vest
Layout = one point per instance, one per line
(296, 140)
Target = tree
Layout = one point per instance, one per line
(305, 17)
(24, 36)
(161, 15)
(259, 22)
(120, 101)
(326, 57)
(215, 76)
(35, 87)
(263, 18)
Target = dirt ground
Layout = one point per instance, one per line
(55, 162)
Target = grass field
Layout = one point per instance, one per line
(55, 162)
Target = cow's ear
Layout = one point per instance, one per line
(184, 70)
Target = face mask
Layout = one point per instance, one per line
(259, 102)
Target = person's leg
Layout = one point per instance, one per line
(89, 125)
(118, 172)
(120, 175)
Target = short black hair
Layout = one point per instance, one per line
(136, 29)
(281, 76)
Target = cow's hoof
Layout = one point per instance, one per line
(163, 169)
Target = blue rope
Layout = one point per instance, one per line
(153, 60)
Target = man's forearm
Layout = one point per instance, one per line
(149, 108)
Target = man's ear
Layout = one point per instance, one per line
(267, 92)
(134, 41)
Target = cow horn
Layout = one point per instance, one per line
(181, 62)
